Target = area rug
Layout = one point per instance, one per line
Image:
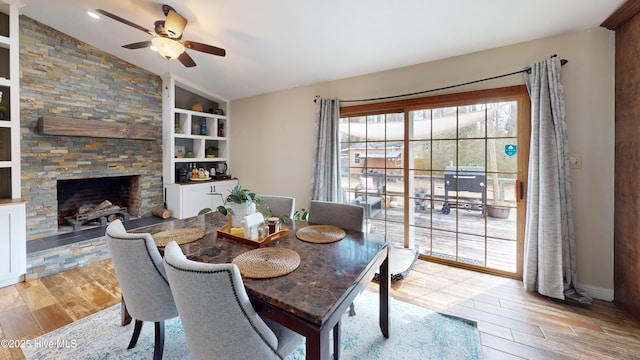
(415, 333)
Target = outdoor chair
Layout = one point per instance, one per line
(143, 282)
(278, 205)
(217, 316)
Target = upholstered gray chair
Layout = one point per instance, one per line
(143, 282)
(345, 216)
(279, 205)
(217, 316)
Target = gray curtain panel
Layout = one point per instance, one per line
(325, 180)
(550, 243)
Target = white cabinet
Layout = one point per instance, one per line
(186, 200)
(13, 256)
(193, 120)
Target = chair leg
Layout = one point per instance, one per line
(159, 346)
(136, 334)
(352, 310)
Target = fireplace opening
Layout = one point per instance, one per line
(84, 203)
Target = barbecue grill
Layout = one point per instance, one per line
(463, 178)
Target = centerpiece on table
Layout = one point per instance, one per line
(239, 203)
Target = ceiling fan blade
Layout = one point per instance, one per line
(186, 60)
(138, 45)
(204, 48)
(124, 21)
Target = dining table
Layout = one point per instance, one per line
(310, 300)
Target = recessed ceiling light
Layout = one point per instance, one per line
(93, 15)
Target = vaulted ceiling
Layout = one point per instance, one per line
(280, 44)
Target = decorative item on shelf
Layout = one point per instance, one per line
(212, 151)
(203, 127)
(190, 154)
(180, 152)
(3, 109)
(221, 130)
(218, 112)
(197, 107)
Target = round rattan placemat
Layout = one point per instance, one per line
(267, 262)
(181, 236)
(321, 234)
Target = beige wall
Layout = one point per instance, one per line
(273, 134)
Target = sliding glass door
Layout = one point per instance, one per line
(443, 175)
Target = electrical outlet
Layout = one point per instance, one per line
(575, 162)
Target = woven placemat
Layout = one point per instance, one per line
(181, 236)
(321, 234)
(267, 262)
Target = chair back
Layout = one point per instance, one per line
(345, 216)
(217, 316)
(279, 205)
(140, 272)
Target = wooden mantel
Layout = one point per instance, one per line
(96, 128)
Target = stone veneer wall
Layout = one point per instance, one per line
(61, 76)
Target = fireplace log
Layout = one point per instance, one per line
(161, 213)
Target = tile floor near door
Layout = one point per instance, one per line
(513, 323)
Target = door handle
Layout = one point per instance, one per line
(519, 190)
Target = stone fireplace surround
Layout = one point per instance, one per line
(63, 77)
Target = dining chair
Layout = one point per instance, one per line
(279, 205)
(143, 282)
(345, 216)
(217, 316)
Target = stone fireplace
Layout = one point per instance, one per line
(77, 196)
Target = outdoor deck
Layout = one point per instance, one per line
(467, 236)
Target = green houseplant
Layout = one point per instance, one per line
(239, 202)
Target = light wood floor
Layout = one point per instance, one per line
(513, 323)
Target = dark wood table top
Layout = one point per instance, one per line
(314, 289)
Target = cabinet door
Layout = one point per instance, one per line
(196, 198)
(13, 252)
(223, 188)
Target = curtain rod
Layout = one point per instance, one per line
(527, 70)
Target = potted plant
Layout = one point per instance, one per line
(239, 203)
(212, 151)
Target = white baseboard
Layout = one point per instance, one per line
(11, 281)
(597, 292)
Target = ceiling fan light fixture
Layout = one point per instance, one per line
(168, 48)
(174, 24)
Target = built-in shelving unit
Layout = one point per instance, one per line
(12, 209)
(197, 122)
(197, 132)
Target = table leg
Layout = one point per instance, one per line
(384, 296)
(318, 347)
(336, 341)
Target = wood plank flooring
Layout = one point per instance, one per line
(513, 323)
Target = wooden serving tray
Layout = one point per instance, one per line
(238, 234)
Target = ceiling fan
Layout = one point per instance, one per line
(167, 37)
